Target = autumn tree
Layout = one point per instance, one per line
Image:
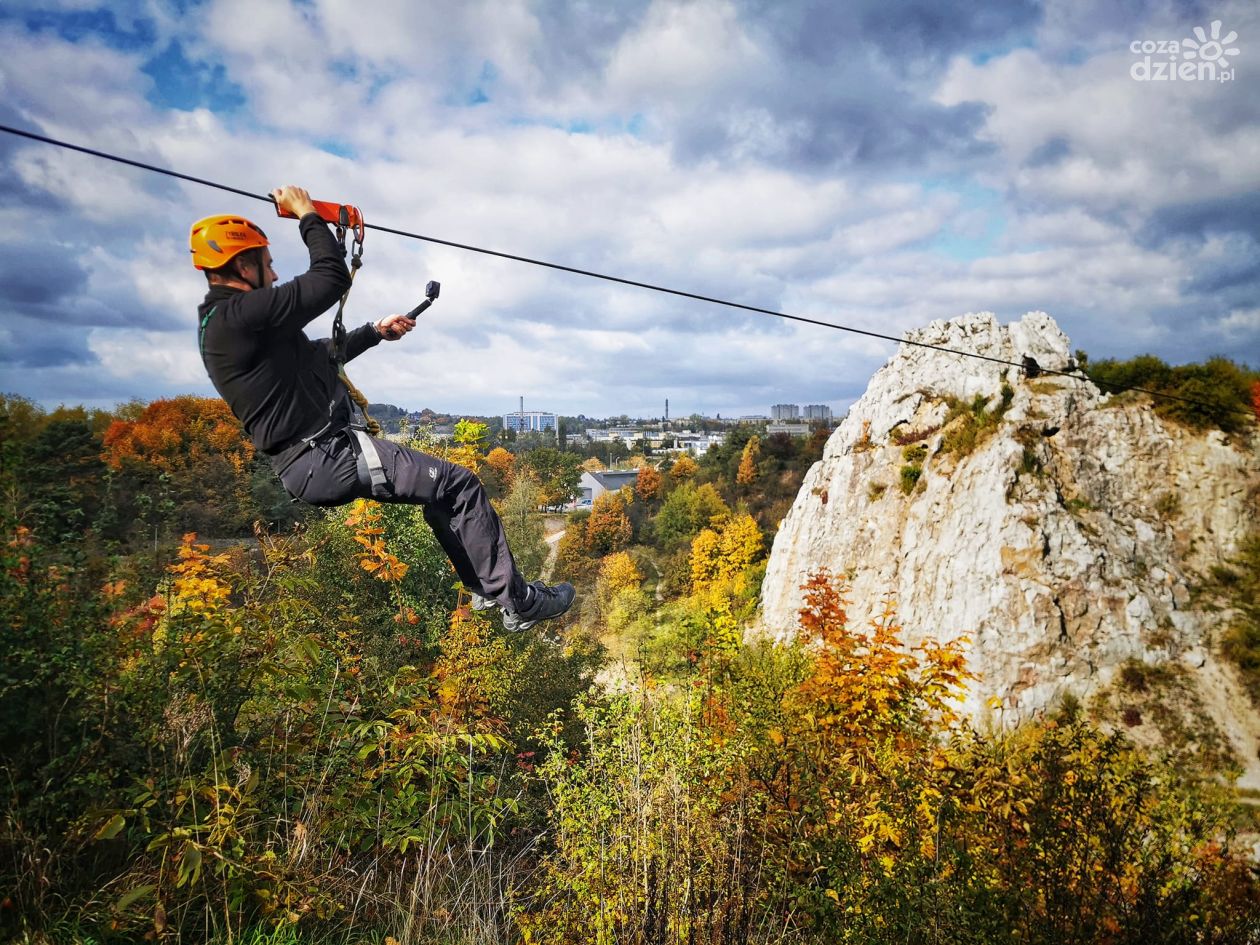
(192, 453)
(722, 583)
(558, 473)
(498, 471)
(748, 462)
(593, 465)
(648, 485)
(618, 591)
(469, 439)
(684, 468)
(608, 529)
(523, 525)
(618, 573)
(573, 559)
(723, 553)
(176, 434)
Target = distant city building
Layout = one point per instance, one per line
(791, 429)
(526, 421)
(785, 412)
(624, 434)
(753, 418)
(817, 412)
(697, 444)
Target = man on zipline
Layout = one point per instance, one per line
(286, 391)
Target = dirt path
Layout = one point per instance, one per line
(553, 531)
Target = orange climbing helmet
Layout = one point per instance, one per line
(215, 241)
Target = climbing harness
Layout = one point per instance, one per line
(348, 221)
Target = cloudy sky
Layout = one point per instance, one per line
(871, 163)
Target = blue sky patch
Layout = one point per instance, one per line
(967, 244)
(78, 25)
(982, 56)
(179, 82)
(337, 146)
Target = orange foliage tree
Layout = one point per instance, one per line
(197, 453)
(648, 485)
(608, 529)
(502, 462)
(177, 435)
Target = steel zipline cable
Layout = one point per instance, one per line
(1077, 374)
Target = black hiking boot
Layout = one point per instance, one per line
(541, 603)
(480, 603)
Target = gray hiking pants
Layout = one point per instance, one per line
(455, 506)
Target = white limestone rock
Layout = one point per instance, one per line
(1064, 544)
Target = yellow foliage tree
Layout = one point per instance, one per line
(871, 706)
(684, 468)
(618, 591)
(198, 586)
(724, 553)
(618, 573)
(469, 438)
(721, 563)
(748, 462)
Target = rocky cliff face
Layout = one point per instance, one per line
(1062, 530)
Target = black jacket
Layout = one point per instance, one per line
(278, 382)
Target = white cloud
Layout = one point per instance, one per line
(391, 81)
(1241, 323)
(128, 354)
(682, 53)
(1126, 144)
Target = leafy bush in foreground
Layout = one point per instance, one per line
(834, 795)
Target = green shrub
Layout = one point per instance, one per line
(915, 455)
(967, 426)
(910, 478)
(1030, 463)
(1220, 389)
(1239, 587)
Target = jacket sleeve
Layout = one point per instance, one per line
(292, 305)
(360, 339)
